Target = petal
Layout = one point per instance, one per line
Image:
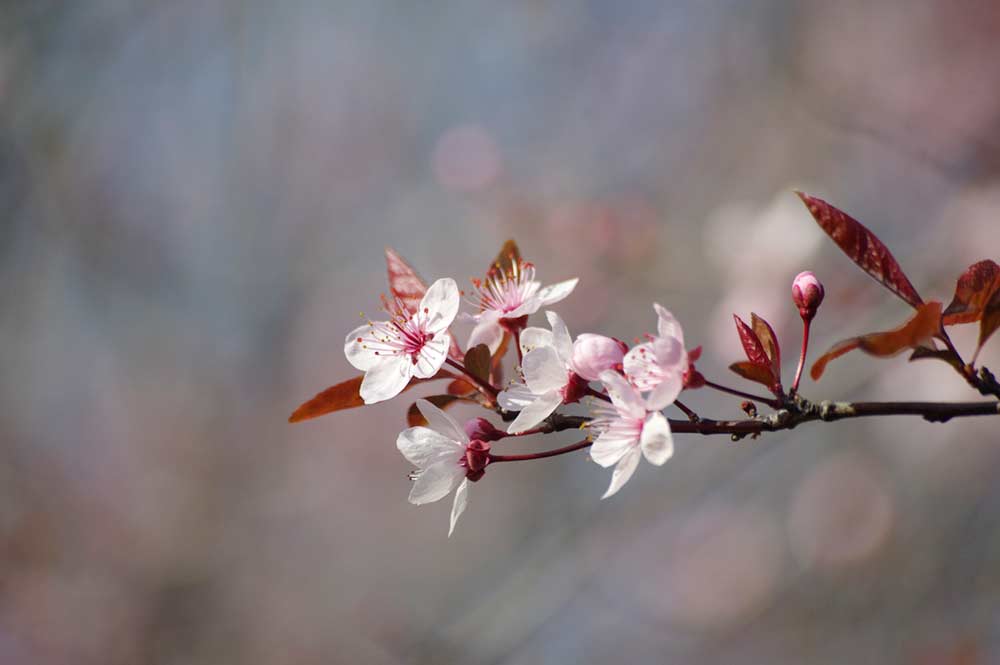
(556, 292)
(561, 339)
(623, 471)
(458, 507)
(536, 412)
(533, 338)
(432, 356)
(593, 354)
(657, 442)
(442, 423)
(440, 304)
(423, 447)
(516, 397)
(670, 353)
(543, 370)
(358, 351)
(667, 325)
(387, 379)
(612, 445)
(435, 481)
(487, 332)
(623, 395)
(665, 393)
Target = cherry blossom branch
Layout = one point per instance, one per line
(692, 416)
(579, 445)
(773, 403)
(802, 355)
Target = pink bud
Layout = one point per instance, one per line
(482, 430)
(807, 294)
(593, 354)
(477, 456)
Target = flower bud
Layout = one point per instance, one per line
(593, 354)
(477, 456)
(807, 294)
(482, 430)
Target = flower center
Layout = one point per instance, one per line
(505, 291)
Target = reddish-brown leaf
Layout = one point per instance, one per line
(990, 321)
(752, 345)
(404, 282)
(507, 258)
(917, 332)
(460, 388)
(478, 362)
(345, 395)
(752, 372)
(972, 292)
(862, 247)
(765, 334)
(416, 419)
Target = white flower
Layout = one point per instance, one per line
(658, 366)
(627, 431)
(504, 297)
(441, 454)
(408, 345)
(549, 379)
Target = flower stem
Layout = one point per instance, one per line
(483, 386)
(802, 355)
(692, 416)
(593, 393)
(579, 445)
(773, 403)
(517, 345)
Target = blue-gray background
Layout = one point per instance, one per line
(195, 196)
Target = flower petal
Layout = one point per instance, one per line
(667, 325)
(458, 507)
(386, 379)
(613, 444)
(441, 422)
(556, 292)
(561, 339)
(657, 441)
(424, 447)
(623, 395)
(665, 393)
(358, 351)
(623, 471)
(516, 397)
(593, 354)
(487, 331)
(440, 304)
(434, 482)
(533, 338)
(543, 371)
(536, 412)
(432, 356)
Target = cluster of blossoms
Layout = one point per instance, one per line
(632, 385)
(627, 388)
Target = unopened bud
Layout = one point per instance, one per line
(477, 456)
(807, 294)
(482, 430)
(593, 354)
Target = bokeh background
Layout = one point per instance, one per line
(195, 196)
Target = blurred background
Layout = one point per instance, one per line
(196, 195)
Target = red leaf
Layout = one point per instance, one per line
(917, 332)
(765, 334)
(862, 247)
(416, 419)
(345, 395)
(404, 282)
(990, 321)
(460, 388)
(752, 372)
(972, 292)
(752, 345)
(505, 261)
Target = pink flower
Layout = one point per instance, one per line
(658, 366)
(593, 354)
(504, 297)
(627, 431)
(443, 456)
(549, 378)
(392, 352)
